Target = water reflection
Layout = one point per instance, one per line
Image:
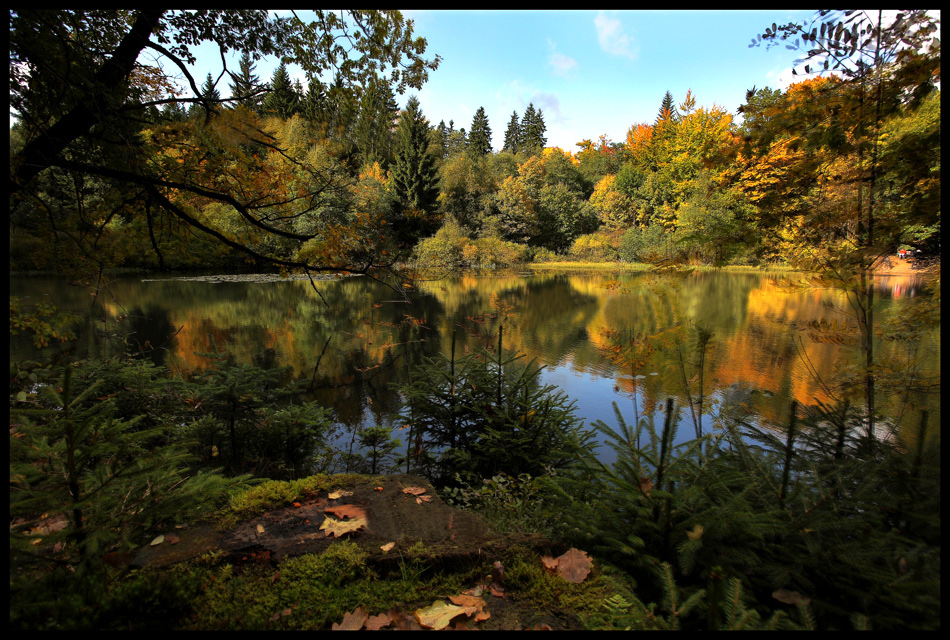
(360, 338)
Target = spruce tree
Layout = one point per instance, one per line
(414, 172)
(282, 100)
(479, 139)
(313, 107)
(532, 139)
(666, 115)
(512, 134)
(245, 84)
(210, 97)
(374, 125)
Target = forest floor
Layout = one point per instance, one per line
(394, 520)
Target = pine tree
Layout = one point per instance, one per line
(282, 100)
(512, 134)
(341, 112)
(374, 125)
(532, 139)
(245, 84)
(666, 115)
(313, 107)
(479, 139)
(210, 97)
(414, 172)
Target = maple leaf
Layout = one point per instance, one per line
(339, 527)
(352, 621)
(440, 613)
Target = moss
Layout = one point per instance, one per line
(273, 494)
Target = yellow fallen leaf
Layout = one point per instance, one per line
(386, 547)
(440, 613)
(158, 540)
(337, 528)
(260, 528)
(339, 494)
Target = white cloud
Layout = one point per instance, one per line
(611, 37)
(563, 65)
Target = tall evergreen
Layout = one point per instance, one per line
(532, 139)
(245, 83)
(211, 97)
(442, 139)
(342, 111)
(479, 138)
(374, 125)
(414, 175)
(512, 134)
(313, 106)
(666, 115)
(282, 101)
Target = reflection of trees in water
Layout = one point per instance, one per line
(356, 349)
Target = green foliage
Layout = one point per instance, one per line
(87, 482)
(482, 414)
(750, 518)
(479, 136)
(43, 321)
(647, 244)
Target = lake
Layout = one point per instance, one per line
(358, 337)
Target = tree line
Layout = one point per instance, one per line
(338, 177)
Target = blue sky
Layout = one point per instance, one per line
(590, 72)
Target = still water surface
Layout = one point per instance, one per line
(592, 332)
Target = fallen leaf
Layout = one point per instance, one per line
(472, 601)
(347, 511)
(339, 494)
(157, 541)
(375, 623)
(352, 621)
(416, 491)
(336, 528)
(386, 547)
(574, 565)
(541, 626)
(440, 613)
(172, 539)
(297, 505)
(260, 528)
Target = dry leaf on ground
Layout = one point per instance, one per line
(574, 565)
(440, 613)
(416, 491)
(339, 494)
(352, 621)
(338, 528)
(375, 623)
(386, 547)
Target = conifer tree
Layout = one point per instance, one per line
(414, 172)
(374, 125)
(666, 115)
(210, 97)
(282, 100)
(313, 106)
(341, 111)
(532, 139)
(245, 84)
(479, 139)
(512, 134)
